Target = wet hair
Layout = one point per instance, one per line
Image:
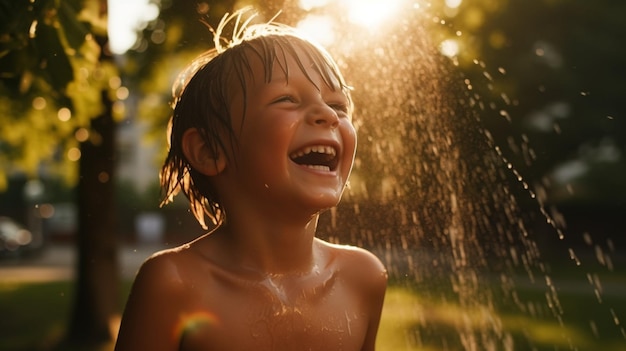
(204, 91)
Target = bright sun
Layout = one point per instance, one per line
(371, 13)
(126, 17)
(367, 14)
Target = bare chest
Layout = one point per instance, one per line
(276, 314)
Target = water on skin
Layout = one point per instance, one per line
(288, 308)
(282, 312)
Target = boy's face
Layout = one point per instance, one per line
(296, 143)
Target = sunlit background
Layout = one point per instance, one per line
(126, 20)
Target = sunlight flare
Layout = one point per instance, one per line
(371, 13)
(319, 28)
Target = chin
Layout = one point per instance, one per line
(325, 201)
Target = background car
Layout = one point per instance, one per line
(16, 240)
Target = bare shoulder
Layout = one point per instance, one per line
(366, 276)
(164, 268)
(357, 264)
(156, 299)
(164, 276)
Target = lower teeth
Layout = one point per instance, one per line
(318, 167)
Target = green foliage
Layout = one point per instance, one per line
(51, 80)
(151, 66)
(546, 76)
(32, 45)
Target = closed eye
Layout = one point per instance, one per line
(285, 98)
(339, 107)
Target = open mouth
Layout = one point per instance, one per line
(318, 157)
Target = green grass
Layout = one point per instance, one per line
(34, 317)
(416, 319)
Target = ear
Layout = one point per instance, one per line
(200, 156)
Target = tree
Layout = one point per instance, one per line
(164, 48)
(548, 74)
(56, 84)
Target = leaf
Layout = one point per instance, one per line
(54, 64)
(74, 30)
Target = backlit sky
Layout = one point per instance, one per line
(125, 17)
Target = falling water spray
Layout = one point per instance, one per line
(433, 195)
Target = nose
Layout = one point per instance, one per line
(323, 115)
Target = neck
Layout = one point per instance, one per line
(271, 246)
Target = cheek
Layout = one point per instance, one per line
(265, 147)
(349, 138)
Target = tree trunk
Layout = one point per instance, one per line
(97, 281)
(97, 277)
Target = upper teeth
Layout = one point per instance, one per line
(320, 149)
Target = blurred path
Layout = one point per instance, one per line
(56, 262)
